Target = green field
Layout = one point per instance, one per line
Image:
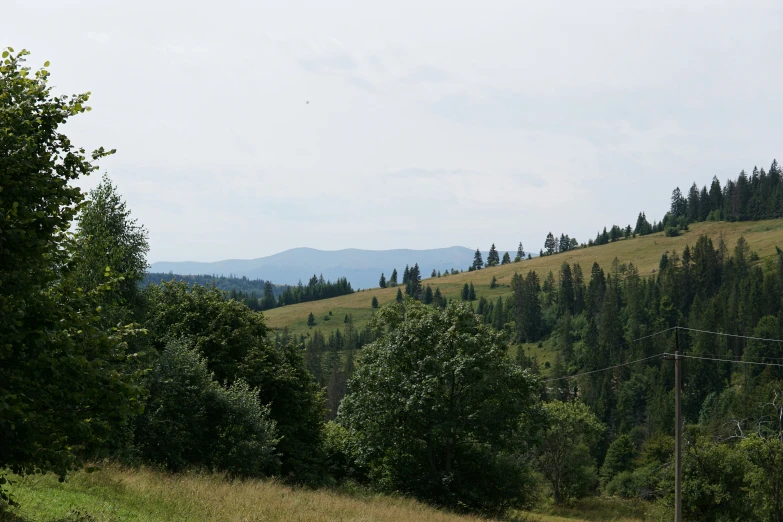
(644, 252)
(118, 494)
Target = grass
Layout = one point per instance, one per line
(644, 252)
(120, 494)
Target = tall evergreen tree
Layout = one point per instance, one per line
(382, 281)
(520, 253)
(549, 244)
(493, 258)
(393, 278)
(471, 293)
(399, 297)
(374, 302)
(506, 259)
(679, 205)
(465, 292)
(478, 261)
(428, 296)
(406, 275)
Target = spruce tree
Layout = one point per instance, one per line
(311, 319)
(428, 295)
(478, 261)
(437, 298)
(374, 303)
(493, 258)
(465, 292)
(494, 282)
(520, 253)
(382, 282)
(471, 293)
(549, 244)
(434, 273)
(399, 296)
(406, 275)
(393, 278)
(506, 259)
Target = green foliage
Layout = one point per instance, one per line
(191, 420)
(374, 303)
(233, 341)
(563, 455)
(62, 382)
(311, 319)
(619, 458)
(435, 407)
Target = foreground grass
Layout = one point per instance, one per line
(120, 494)
(644, 252)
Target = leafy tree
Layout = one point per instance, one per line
(436, 406)
(382, 281)
(478, 261)
(393, 278)
(311, 319)
(506, 259)
(493, 258)
(563, 455)
(108, 237)
(374, 302)
(233, 341)
(62, 382)
(191, 420)
(619, 458)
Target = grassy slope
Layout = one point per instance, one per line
(119, 494)
(644, 252)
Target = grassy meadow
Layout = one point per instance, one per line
(119, 494)
(644, 252)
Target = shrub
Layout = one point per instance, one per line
(190, 420)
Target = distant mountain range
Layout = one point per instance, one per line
(362, 267)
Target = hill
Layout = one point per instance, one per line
(643, 251)
(362, 267)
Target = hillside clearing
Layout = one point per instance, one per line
(644, 252)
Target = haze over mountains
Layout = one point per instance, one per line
(362, 267)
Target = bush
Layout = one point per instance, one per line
(190, 420)
(672, 232)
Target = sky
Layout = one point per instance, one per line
(244, 129)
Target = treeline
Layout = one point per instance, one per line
(748, 198)
(257, 294)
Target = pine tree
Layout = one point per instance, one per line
(493, 258)
(549, 244)
(399, 296)
(438, 297)
(465, 292)
(520, 253)
(471, 293)
(478, 261)
(434, 273)
(382, 282)
(393, 278)
(428, 295)
(679, 206)
(311, 319)
(406, 275)
(506, 259)
(493, 283)
(374, 303)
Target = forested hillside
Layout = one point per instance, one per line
(514, 386)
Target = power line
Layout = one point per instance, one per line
(731, 335)
(653, 335)
(724, 360)
(603, 369)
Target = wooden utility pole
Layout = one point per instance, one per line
(677, 430)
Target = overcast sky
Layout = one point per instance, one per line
(429, 124)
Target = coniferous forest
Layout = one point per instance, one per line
(440, 400)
